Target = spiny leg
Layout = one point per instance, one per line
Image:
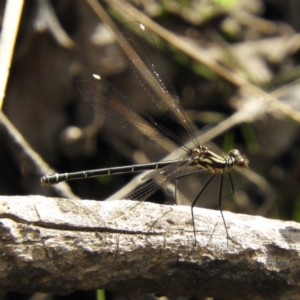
(176, 187)
(220, 202)
(194, 203)
(231, 183)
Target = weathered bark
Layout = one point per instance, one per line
(57, 245)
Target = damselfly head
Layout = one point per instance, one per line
(241, 162)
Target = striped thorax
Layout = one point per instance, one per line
(215, 163)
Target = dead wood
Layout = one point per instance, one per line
(58, 245)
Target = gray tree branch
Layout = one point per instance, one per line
(58, 245)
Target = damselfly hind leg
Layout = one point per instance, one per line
(220, 204)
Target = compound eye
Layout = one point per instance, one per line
(241, 163)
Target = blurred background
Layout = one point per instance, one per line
(256, 41)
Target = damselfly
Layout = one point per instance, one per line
(143, 55)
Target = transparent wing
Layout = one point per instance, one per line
(144, 191)
(158, 178)
(145, 60)
(116, 108)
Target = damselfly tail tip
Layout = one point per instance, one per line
(44, 180)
